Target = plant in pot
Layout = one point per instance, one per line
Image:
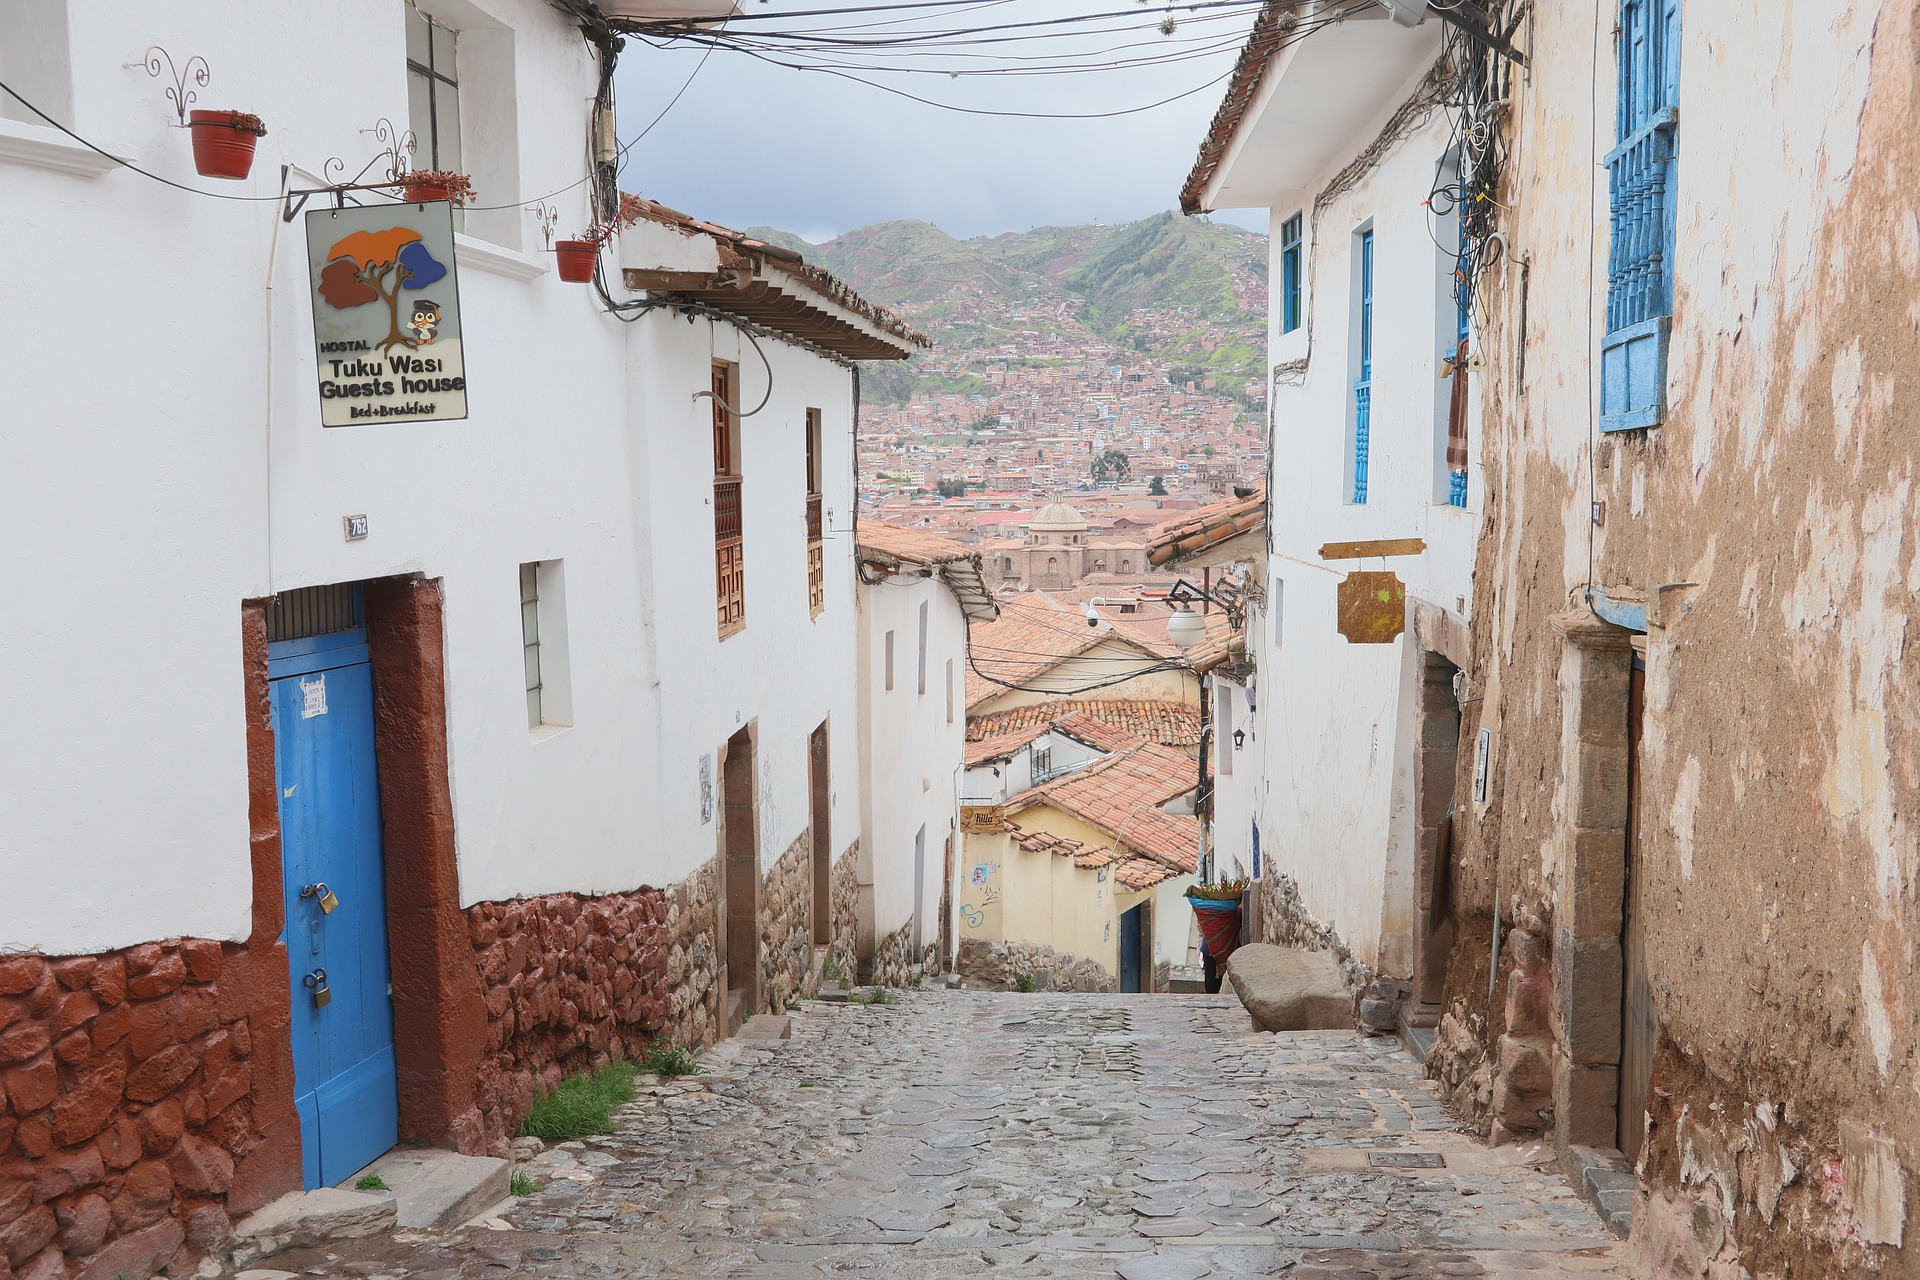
(577, 257)
(426, 185)
(223, 142)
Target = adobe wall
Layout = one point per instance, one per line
(1781, 749)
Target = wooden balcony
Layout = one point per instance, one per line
(816, 558)
(730, 579)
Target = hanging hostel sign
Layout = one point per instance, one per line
(386, 314)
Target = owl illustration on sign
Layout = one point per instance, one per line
(426, 319)
(374, 266)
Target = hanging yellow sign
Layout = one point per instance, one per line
(1372, 607)
(982, 819)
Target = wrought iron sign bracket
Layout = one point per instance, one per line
(1231, 602)
(296, 198)
(177, 93)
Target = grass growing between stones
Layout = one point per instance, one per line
(582, 1105)
(522, 1185)
(668, 1061)
(370, 1182)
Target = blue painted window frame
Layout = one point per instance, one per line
(1290, 274)
(1640, 191)
(1462, 306)
(1363, 379)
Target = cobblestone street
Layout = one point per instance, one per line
(962, 1133)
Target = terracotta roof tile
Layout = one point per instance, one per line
(1121, 794)
(1265, 40)
(1033, 635)
(891, 549)
(1171, 724)
(1206, 527)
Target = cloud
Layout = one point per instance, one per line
(750, 143)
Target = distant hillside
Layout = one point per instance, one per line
(1186, 291)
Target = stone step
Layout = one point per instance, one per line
(438, 1188)
(309, 1219)
(767, 1026)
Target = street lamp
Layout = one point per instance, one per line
(1185, 628)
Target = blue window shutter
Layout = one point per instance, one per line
(1363, 384)
(1640, 175)
(1290, 274)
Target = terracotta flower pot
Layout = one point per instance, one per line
(222, 148)
(576, 259)
(426, 192)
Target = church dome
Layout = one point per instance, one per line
(1058, 517)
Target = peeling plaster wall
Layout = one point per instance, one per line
(1781, 749)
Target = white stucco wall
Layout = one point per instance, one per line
(1335, 719)
(913, 744)
(163, 461)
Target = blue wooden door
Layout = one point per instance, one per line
(1130, 922)
(343, 1066)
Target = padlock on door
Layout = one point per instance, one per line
(316, 982)
(327, 898)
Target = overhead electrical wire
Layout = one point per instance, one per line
(855, 52)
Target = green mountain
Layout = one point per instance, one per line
(1183, 292)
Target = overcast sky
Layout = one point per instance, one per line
(756, 144)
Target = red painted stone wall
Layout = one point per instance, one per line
(146, 1094)
(131, 1118)
(569, 982)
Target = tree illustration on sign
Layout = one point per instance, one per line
(374, 266)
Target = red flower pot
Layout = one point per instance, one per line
(221, 148)
(576, 259)
(426, 192)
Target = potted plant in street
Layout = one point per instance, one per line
(223, 142)
(424, 186)
(1217, 908)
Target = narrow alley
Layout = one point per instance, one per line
(965, 1133)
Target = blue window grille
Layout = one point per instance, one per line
(1363, 383)
(1290, 274)
(1640, 176)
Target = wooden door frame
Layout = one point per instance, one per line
(738, 837)
(820, 831)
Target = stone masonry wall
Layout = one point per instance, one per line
(569, 982)
(1285, 922)
(128, 1116)
(693, 959)
(998, 966)
(894, 958)
(844, 885)
(786, 926)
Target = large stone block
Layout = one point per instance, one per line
(1587, 979)
(1601, 789)
(1585, 1104)
(1594, 890)
(1290, 990)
